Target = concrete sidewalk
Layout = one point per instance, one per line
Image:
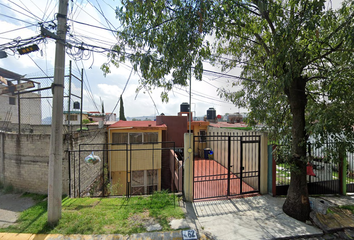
(175, 235)
(259, 217)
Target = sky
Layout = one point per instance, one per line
(89, 22)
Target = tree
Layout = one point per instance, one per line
(121, 109)
(296, 58)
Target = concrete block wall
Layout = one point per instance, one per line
(83, 174)
(24, 160)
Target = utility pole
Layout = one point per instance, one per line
(56, 138)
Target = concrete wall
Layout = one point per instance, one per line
(24, 159)
(176, 127)
(30, 106)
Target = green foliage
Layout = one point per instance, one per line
(279, 45)
(101, 215)
(121, 110)
(86, 121)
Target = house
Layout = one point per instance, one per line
(135, 156)
(141, 157)
(26, 108)
(74, 117)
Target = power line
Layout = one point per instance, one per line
(14, 18)
(19, 12)
(25, 9)
(94, 26)
(16, 29)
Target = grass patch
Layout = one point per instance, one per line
(36, 197)
(101, 215)
(348, 207)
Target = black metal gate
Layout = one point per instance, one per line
(120, 171)
(226, 165)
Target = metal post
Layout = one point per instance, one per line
(228, 164)
(19, 111)
(56, 139)
(69, 98)
(69, 166)
(82, 92)
(241, 165)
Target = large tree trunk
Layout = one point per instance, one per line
(297, 204)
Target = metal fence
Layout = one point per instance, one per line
(226, 165)
(32, 107)
(124, 170)
(323, 171)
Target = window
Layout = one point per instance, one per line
(119, 138)
(135, 138)
(202, 136)
(73, 117)
(151, 137)
(12, 100)
(148, 137)
(144, 182)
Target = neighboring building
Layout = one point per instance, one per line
(98, 116)
(30, 107)
(137, 169)
(74, 117)
(144, 166)
(111, 117)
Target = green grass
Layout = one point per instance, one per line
(349, 207)
(101, 215)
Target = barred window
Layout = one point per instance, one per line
(119, 138)
(151, 137)
(135, 138)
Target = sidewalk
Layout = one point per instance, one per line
(176, 235)
(259, 217)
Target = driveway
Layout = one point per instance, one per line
(259, 217)
(11, 205)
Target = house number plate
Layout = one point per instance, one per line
(189, 235)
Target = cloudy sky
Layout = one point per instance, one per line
(90, 22)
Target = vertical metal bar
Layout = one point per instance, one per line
(79, 170)
(229, 163)
(241, 165)
(274, 173)
(19, 110)
(74, 174)
(259, 163)
(82, 92)
(127, 182)
(130, 170)
(153, 166)
(103, 161)
(69, 98)
(194, 195)
(69, 173)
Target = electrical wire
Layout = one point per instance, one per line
(94, 26)
(18, 12)
(16, 29)
(15, 18)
